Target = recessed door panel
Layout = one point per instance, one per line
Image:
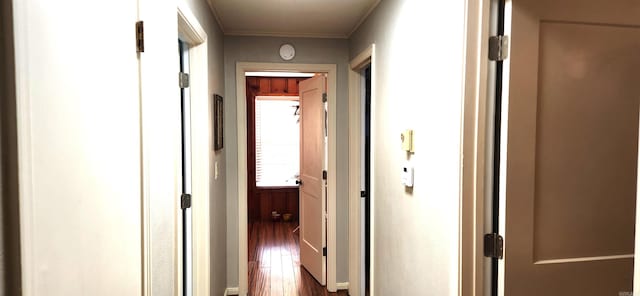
(586, 140)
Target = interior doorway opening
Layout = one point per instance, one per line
(366, 182)
(361, 187)
(316, 174)
(194, 272)
(273, 136)
(185, 111)
(278, 149)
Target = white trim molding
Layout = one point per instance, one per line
(355, 175)
(471, 280)
(231, 291)
(584, 259)
(331, 70)
(342, 286)
(25, 159)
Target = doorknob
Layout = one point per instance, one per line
(299, 182)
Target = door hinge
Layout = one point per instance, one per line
(185, 201)
(324, 251)
(493, 245)
(324, 175)
(324, 98)
(140, 36)
(183, 80)
(363, 194)
(498, 48)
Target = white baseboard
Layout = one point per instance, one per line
(231, 291)
(342, 286)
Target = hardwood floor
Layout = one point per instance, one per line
(274, 263)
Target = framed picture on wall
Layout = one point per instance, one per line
(218, 121)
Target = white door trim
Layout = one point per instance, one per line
(241, 68)
(355, 131)
(25, 159)
(190, 31)
(471, 269)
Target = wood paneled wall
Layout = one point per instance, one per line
(273, 86)
(282, 199)
(262, 201)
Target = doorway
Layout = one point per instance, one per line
(273, 138)
(329, 200)
(366, 182)
(185, 199)
(196, 267)
(278, 140)
(361, 188)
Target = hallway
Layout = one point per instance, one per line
(274, 262)
(90, 143)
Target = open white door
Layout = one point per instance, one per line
(312, 191)
(79, 132)
(572, 147)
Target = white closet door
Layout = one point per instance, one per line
(79, 147)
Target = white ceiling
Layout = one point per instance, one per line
(291, 18)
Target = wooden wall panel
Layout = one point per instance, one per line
(253, 205)
(293, 203)
(266, 205)
(265, 84)
(292, 85)
(279, 85)
(280, 199)
(273, 86)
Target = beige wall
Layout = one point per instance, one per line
(9, 220)
(308, 50)
(419, 59)
(218, 201)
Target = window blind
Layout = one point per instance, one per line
(277, 141)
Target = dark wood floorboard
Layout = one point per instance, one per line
(274, 263)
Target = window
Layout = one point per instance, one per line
(277, 141)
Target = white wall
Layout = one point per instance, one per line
(308, 50)
(419, 58)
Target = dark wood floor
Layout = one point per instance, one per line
(274, 263)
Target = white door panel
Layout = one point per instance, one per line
(79, 140)
(312, 159)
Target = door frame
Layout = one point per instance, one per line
(357, 64)
(472, 277)
(241, 115)
(191, 32)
